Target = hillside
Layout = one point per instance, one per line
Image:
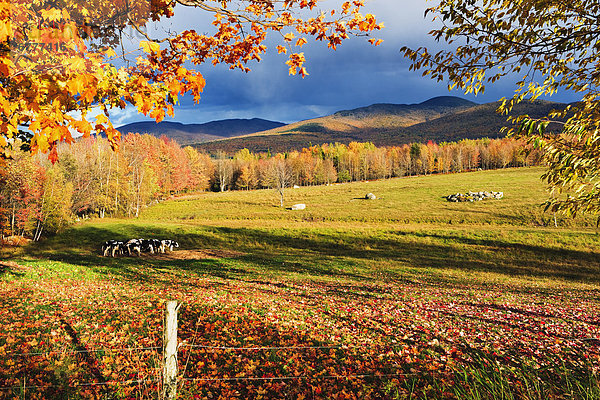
(474, 123)
(197, 133)
(405, 292)
(439, 119)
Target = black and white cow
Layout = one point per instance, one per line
(106, 247)
(137, 246)
(113, 247)
(169, 244)
(157, 245)
(148, 245)
(134, 246)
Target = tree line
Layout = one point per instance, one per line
(38, 197)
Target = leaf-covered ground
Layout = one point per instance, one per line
(64, 336)
(321, 305)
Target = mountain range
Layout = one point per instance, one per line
(197, 133)
(440, 119)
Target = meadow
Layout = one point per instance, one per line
(405, 296)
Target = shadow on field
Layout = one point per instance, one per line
(82, 246)
(335, 253)
(428, 250)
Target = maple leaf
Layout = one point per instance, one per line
(110, 52)
(53, 14)
(158, 114)
(76, 85)
(101, 119)
(76, 65)
(53, 154)
(149, 46)
(83, 127)
(5, 30)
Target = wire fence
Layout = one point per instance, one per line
(309, 377)
(86, 350)
(82, 384)
(213, 379)
(216, 379)
(183, 379)
(232, 348)
(197, 346)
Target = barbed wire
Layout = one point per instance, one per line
(83, 384)
(233, 348)
(97, 349)
(293, 377)
(238, 378)
(198, 346)
(108, 349)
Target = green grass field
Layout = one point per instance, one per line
(406, 296)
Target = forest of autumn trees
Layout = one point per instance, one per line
(38, 197)
(59, 60)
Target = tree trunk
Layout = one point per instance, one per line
(117, 188)
(12, 221)
(38, 231)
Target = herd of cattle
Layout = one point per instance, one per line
(137, 246)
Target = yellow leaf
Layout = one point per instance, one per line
(4, 30)
(41, 141)
(76, 64)
(52, 14)
(149, 47)
(34, 126)
(76, 85)
(101, 119)
(83, 127)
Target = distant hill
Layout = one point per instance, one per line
(439, 119)
(409, 112)
(360, 124)
(474, 123)
(378, 117)
(197, 133)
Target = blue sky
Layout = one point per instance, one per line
(357, 74)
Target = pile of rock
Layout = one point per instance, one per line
(474, 196)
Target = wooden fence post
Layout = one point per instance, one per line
(170, 351)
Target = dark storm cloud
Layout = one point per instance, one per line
(357, 74)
